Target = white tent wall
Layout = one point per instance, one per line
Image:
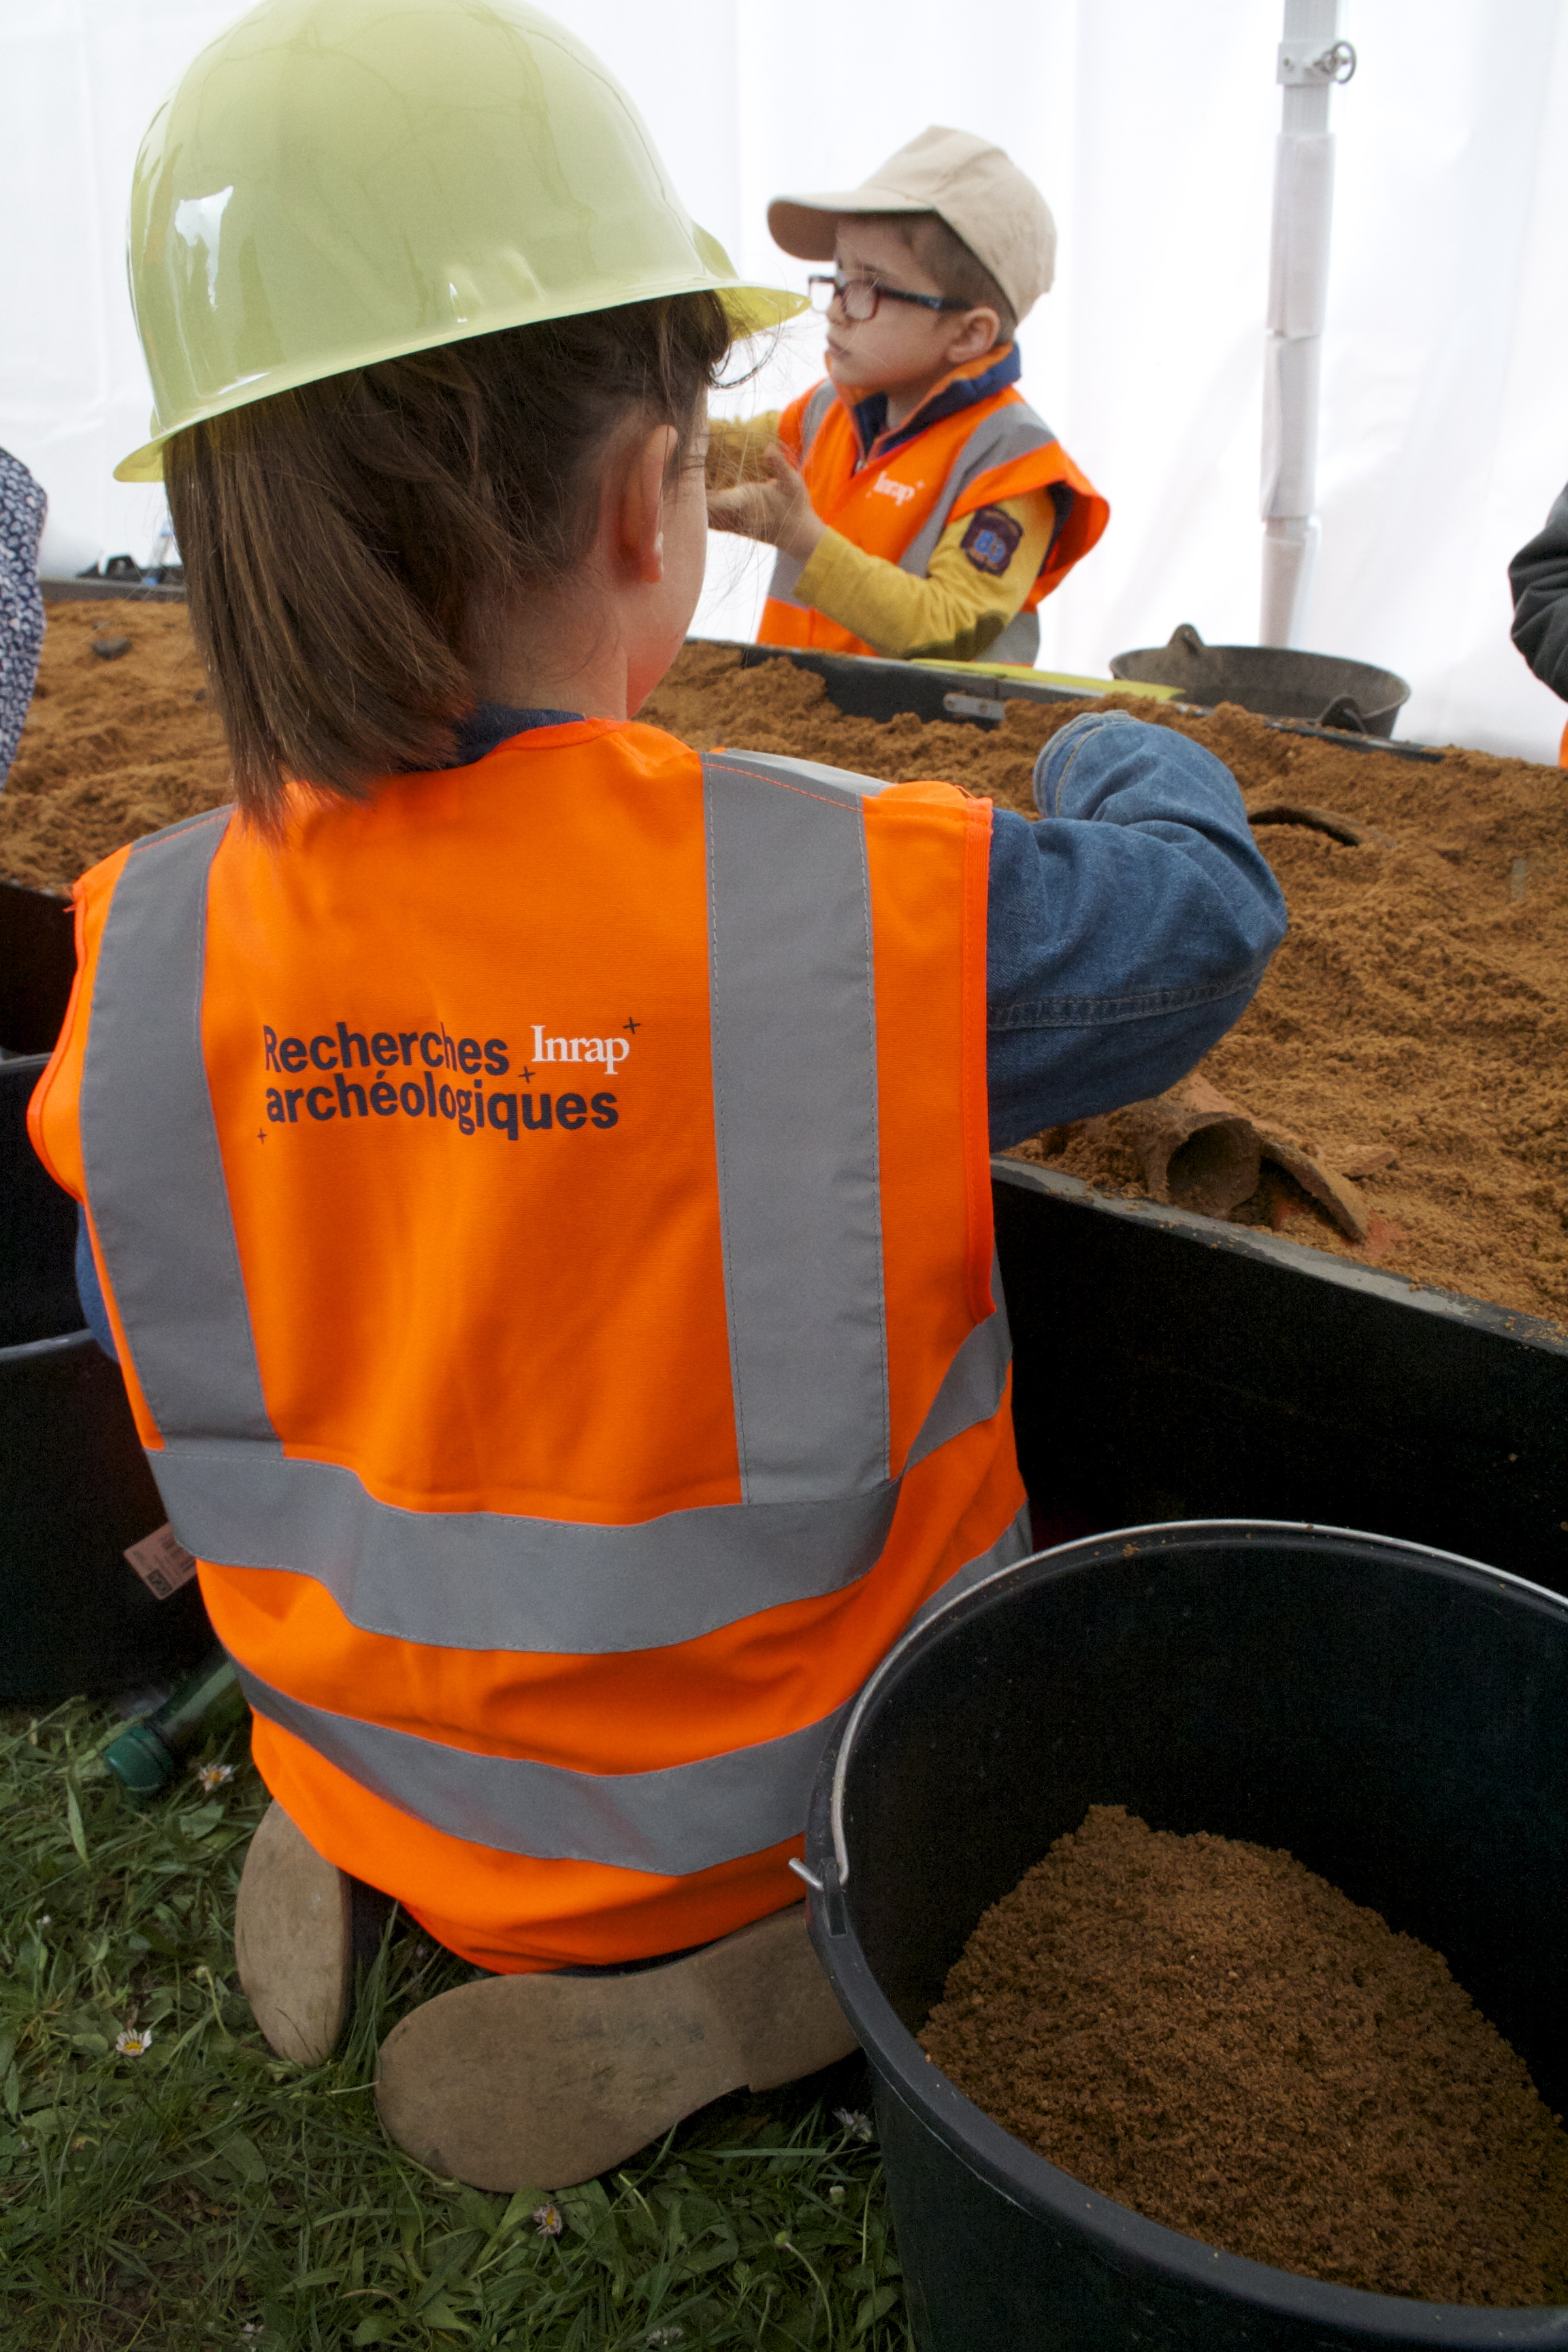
(1444, 432)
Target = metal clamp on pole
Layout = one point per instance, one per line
(1303, 64)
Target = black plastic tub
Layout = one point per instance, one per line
(1169, 1366)
(110, 592)
(1393, 1716)
(1275, 681)
(38, 965)
(863, 686)
(75, 1490)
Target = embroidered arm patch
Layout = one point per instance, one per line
(992, 539)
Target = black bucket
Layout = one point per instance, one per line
(1394, 1716)
(38, 965)
(1273, 680)
(75, 1490)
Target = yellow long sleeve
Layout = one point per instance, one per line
(962, 604)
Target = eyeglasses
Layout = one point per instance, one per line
(858, 297)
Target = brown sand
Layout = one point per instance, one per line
(1418, 1008)
(1415, 1017)
(1207, 2031)
(111, 750)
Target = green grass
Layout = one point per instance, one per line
(205, 2195)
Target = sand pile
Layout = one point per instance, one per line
(1206, 2031)
(111, 750)
(1411, 1033)
(1413, 1028)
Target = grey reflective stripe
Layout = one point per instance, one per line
(1020, 641)
(148, 1131)
(836, 783)
(1006, 433)
(974, 1382)
(815, 409)
(1015, 1543)
(793, 1026)
(552, 1586)
(684, 1818)
(557, 1587)
(787, 569)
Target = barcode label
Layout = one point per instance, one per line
(161, 1561)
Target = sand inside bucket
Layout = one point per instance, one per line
(1207, 2031)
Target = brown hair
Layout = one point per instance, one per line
(349, 545)
(950, 264)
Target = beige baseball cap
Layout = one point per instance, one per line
(975, 187)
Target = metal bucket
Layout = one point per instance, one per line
(1273, 680)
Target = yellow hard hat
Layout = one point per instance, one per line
(339, 182)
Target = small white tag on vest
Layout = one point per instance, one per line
(161, 1561)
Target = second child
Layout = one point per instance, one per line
(918, 504)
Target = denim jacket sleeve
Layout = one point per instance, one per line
(1128, 929)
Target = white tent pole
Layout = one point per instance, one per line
(1311, 59)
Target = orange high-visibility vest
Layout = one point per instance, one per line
(898, 508)
(544, 1215)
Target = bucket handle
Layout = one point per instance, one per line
(828, 1892)
(1345, 714)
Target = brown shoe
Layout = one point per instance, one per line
(293, 1940)
(544, 2081)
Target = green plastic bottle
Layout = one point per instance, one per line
(146, 1757)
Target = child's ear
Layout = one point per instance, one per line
(635, 491)
(975, 332)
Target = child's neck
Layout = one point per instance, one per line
(905, 400)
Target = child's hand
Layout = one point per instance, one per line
(779, 511)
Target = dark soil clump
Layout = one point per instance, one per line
(1207, 2031)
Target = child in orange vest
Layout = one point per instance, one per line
(919, 505)
(534, 1174)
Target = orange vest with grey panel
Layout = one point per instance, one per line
(544, 1213)
(899, 508)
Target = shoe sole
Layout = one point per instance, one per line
(545, 2080)
(293, 1940)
